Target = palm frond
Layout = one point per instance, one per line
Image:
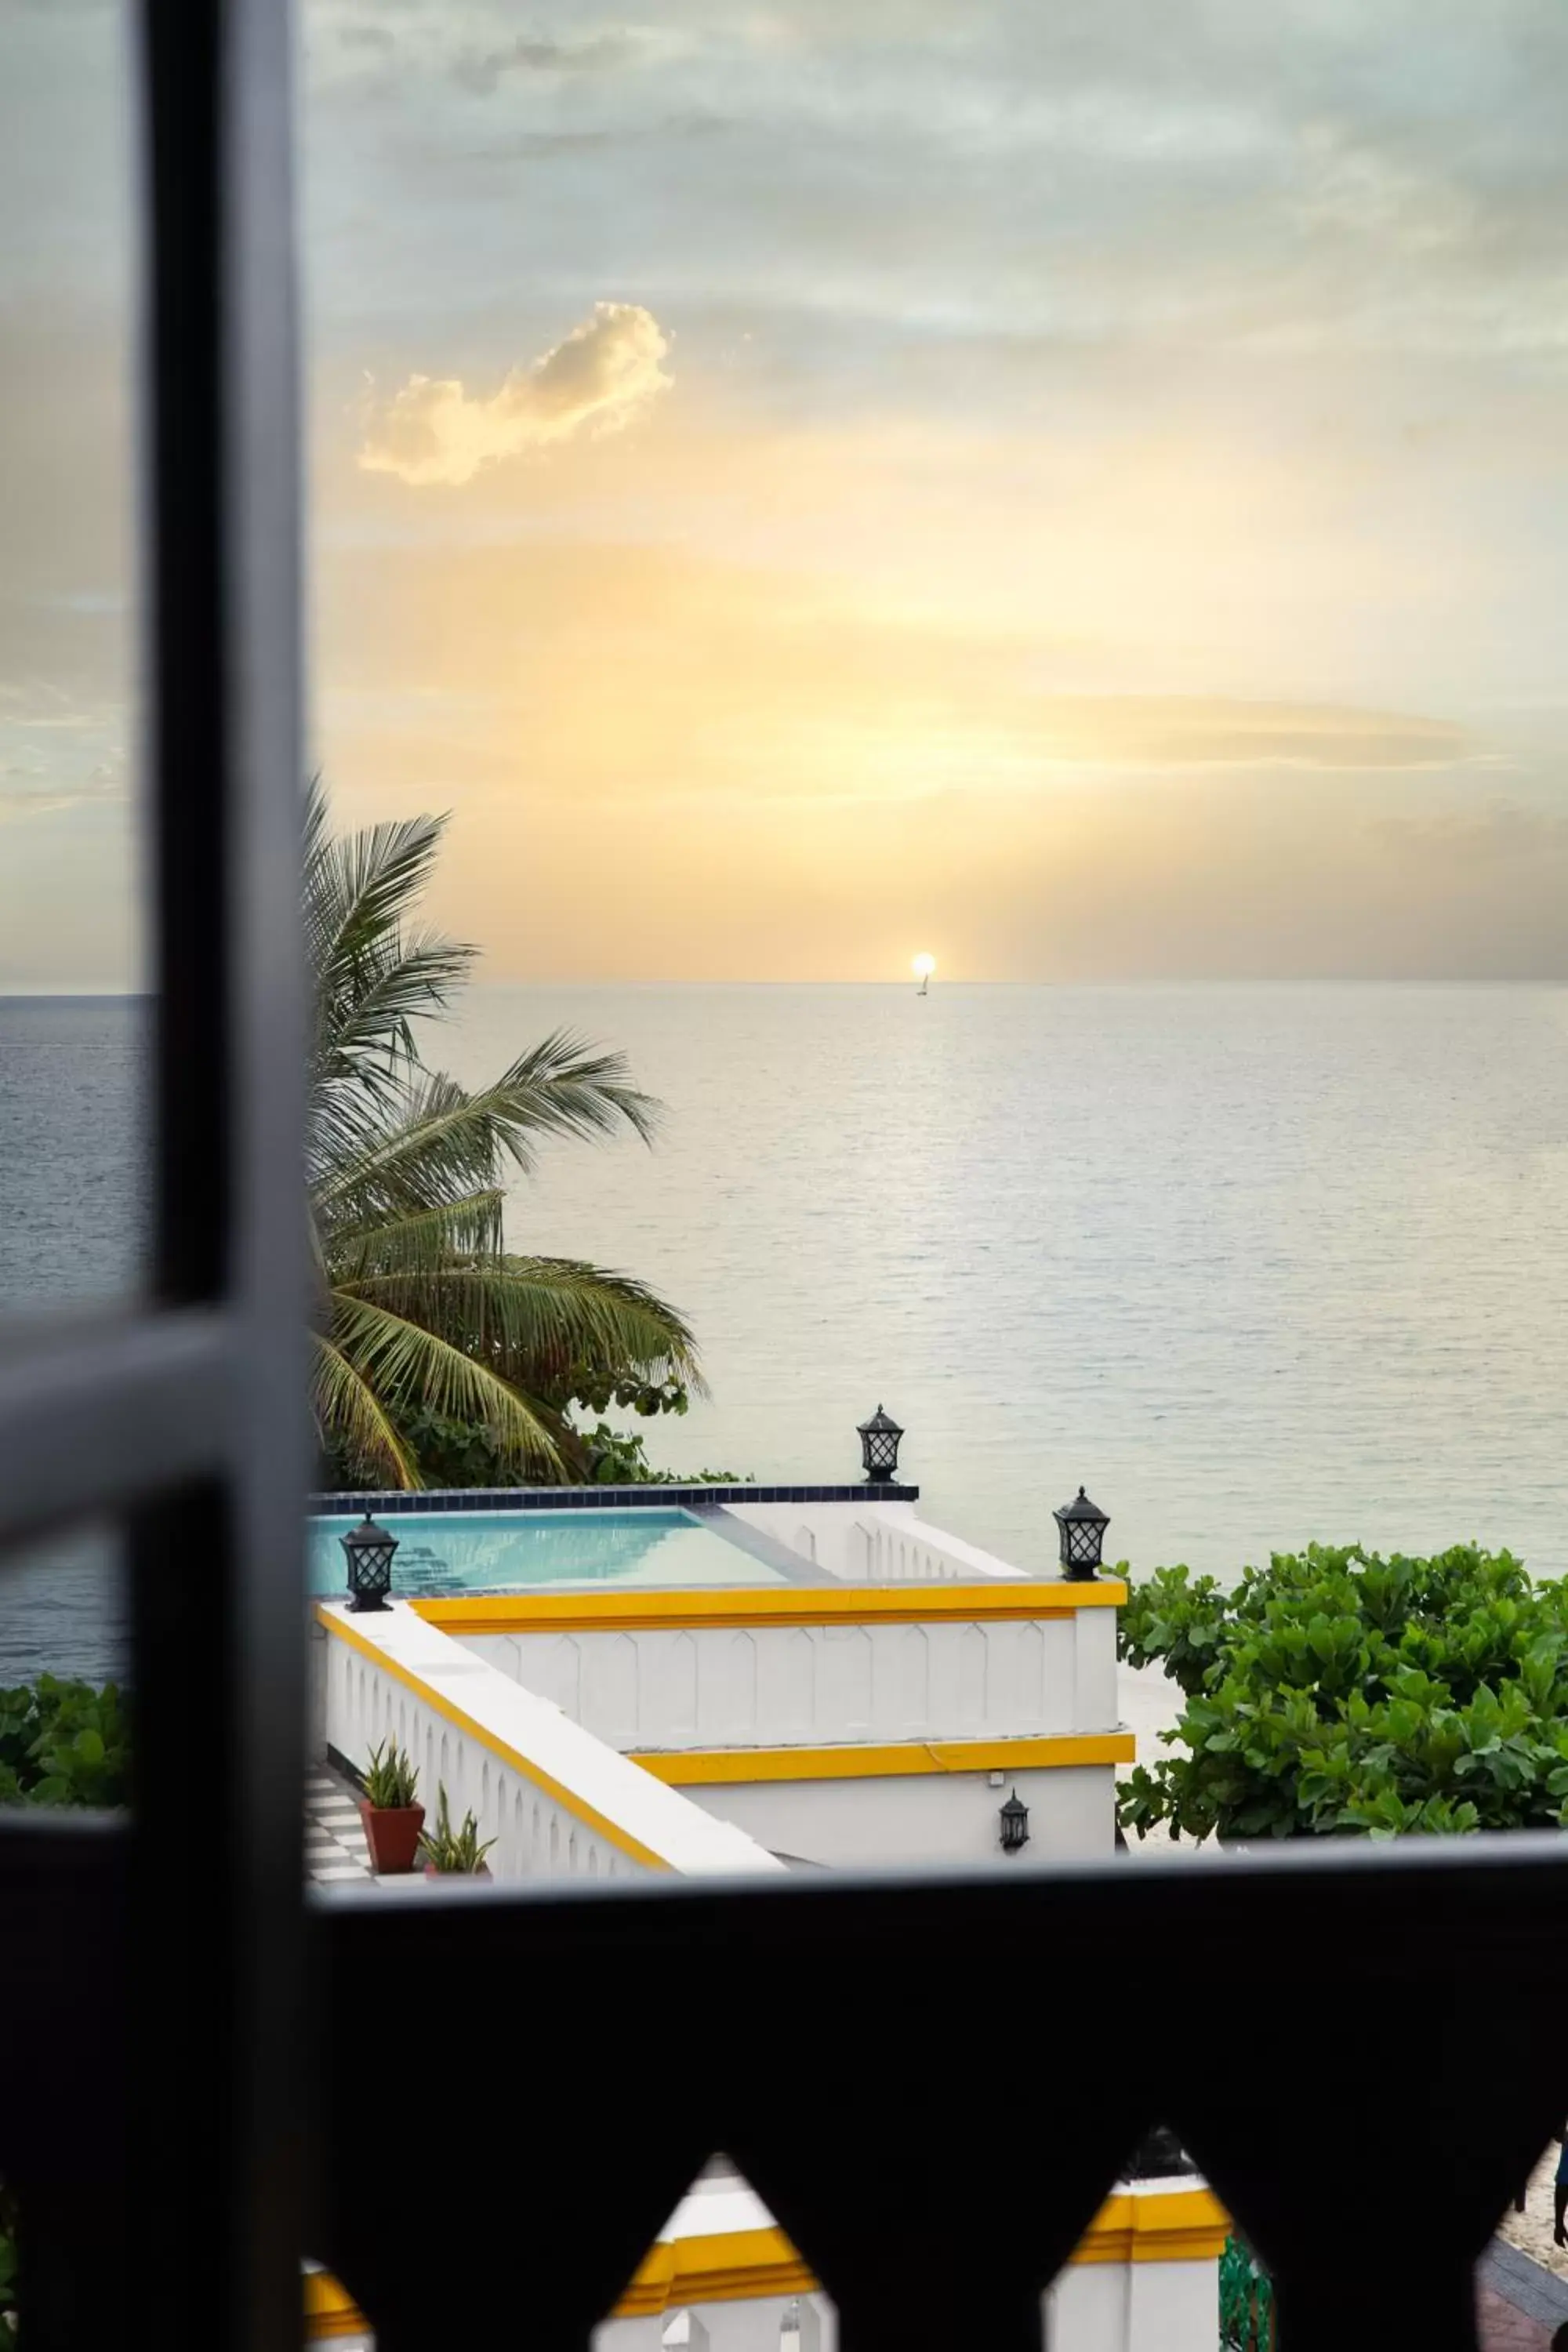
(433, 1143)
(439, 1135)
(358, 886)
(564, 1086)
(534, 1318)
(409, 1366)
(371, 977)
(349, 1414)
(400, 980)
(420, 1241)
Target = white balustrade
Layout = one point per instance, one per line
(558, 1803)
(736, 1685)
(873, 1543)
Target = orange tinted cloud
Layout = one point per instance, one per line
(595, 380)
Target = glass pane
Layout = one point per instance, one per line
(71, 941)
(814, 490)
(934, 558)
(64, 1656)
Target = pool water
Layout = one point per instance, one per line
(442, 1553)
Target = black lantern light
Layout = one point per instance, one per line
(879, 1439)
(368, 1550)
(1082, 1525)
(1013, 1817)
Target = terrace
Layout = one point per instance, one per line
(716, 1682)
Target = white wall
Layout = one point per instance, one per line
(1134, 2307)
(820, 1686)
(929, 1817)
(1092, 2307)
(750, 2324)
(872, 1542)
(559, 1803)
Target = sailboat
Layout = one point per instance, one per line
(924, 967)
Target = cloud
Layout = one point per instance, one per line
(482, 70)
(1153, 731)
(601, 376)
(58, 748)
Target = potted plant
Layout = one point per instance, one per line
(392, 1818)
(447, 1851)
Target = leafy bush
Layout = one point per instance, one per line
(616, 1459)
(466, 1453)
(63, 1743)
(1338, 1690)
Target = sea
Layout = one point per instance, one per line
(1256, 1265)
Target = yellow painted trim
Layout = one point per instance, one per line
(725, 2268)
(439, 1704)
(632, 1610)
(1176, 2225)
(695, 1767)
(330, 2309)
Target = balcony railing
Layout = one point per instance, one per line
(933, 2084)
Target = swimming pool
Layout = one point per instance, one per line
(442, 1553)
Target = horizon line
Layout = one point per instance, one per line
(79, 992)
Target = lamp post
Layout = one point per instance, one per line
(368, 1550)
(1082, 1525)
(1013, 1817)
(879, 1439)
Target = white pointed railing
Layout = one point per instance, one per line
(558, 1803)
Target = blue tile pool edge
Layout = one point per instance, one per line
(685, 1497)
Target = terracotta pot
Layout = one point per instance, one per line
(392, 1833)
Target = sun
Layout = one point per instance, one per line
(923, 965)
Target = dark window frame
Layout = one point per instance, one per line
(479, 2108)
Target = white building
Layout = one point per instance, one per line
(809, 1680)
(723, 2277)
(866, 1691)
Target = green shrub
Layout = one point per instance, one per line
(618, 1458)
(453, 1453)
(1336, 1691)
(63, 1743)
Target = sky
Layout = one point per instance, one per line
(1081, 490)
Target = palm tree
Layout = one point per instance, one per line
(422, 1308)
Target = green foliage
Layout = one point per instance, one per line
(590, 1386)
(450, 1850)
(390, 1779)
(465, 1453)
(617, 1459)
(63, 1743)
(427, 1325)
(1336, 1691)
(1245, 2301)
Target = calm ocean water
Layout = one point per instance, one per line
(1257, 1265)
(72, 1229)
